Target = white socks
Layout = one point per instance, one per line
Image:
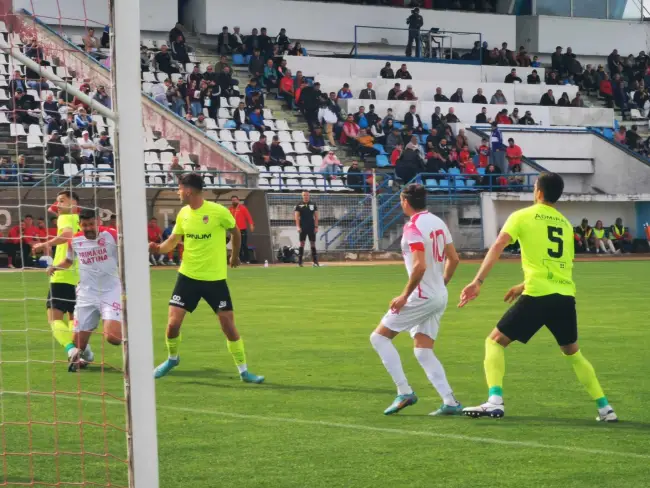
(390, 357)
(495, 400)
(436, 374)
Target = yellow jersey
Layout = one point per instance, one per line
(69, 276)
(547, 252)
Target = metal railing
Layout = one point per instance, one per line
(458, 182)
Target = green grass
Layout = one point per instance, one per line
(318, 421)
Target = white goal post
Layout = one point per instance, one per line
(131, 210)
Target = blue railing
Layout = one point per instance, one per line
(450, 183)
(353, 214)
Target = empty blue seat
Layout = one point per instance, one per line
(397, 125)
(431, 184)
(379, 148)
(454, 171)
(238, 59)
(443, 184)
(382, 161)
(460, 184)
(470, 183)
(616, 124)
(425, 127)
(423, 138)
(609, 133)
(481, 171)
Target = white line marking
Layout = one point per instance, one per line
(368, 428)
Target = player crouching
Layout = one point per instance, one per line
(99, 292)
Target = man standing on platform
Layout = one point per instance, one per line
(242, 219)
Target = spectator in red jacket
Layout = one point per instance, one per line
(514, 155)
(18, 242)
(606, 90)
(395, 155)
(286, 89)
(483, 153)
(243, 220)
(154, 234)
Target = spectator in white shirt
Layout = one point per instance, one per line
(328, 119)
(87, 148)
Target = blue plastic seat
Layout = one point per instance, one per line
(470, 183)
(379, 148)
(397, 125)
(460, 184)
(481, 171)
(382, 161)
(443, 184)
(609, 133)
(423, 139)
(454, 171)
(238, 59)
(616, 124)
(431, 184)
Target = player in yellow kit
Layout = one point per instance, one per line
(202, 275)
(61, 297)
(545, 298)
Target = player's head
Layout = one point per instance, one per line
(413, 199)
(305, 196)
(66, 201)
(153, 221)
(235, 199)
(88, 223)
(189, 185)
(41, 223)
(548, 188)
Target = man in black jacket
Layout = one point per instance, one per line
(457, 97)
(527, 119)
(439, 97)
(481, 118)
(224, 41)
(368, 93)
(179, 51)
(56, 152)
(251, 43)
(266, 43)
(310, 99)
(415, 23)
(547, 100)
(394, 92)
(387, 72)
(175, 32)
(512, 77)
(403, 73)
(354, 177)
(413, 122)
(533, 78)
(479, 97)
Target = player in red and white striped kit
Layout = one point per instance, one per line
(431, 259)
(99, 293)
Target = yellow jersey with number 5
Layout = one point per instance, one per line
(547, 252)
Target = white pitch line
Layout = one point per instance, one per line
(368, 428)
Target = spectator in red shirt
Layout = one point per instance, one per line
(513, 155)
(18, 241)
(243, 219)
(286, 88)
(350, 130)
(606, 90)
(154, 234)
(502, 118)
(40, 234)
(464, 155)
(395, 155)
(483, 153)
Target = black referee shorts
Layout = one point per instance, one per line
(304, 233)
(529, 314)
(188, 293)
(62, 296)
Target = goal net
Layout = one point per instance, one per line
(59, 132)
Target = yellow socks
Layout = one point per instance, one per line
(173, 346)
(587, 376)
(62, 334)
(236, 349)
(495, 369)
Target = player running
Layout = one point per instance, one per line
(546, 297)
(431, 259)
(99, 294)
(203, 271)
(61, 296)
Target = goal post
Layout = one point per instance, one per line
(134, 265)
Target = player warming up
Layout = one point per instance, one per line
(546, 297)
(202, 274)
(99, 294)
(306, 215)
(431, 259)
(62, 295)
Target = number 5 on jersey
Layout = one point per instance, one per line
(555, 236)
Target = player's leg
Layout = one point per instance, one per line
(519, 323)
(301, 249)
(111, 311)
(314, 253)
(217, 295)
(563, 324)
(424, 337)
(87, 317)
(113, 332)
(57, 306)
(185, 298)
(382, 341)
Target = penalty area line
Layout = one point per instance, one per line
(369, 428)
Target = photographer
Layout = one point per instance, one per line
(415, 23)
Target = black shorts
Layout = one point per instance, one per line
(62, 296)
(311, 233)
(188, 292)
(529, 314)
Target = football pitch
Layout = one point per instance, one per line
(317, 421)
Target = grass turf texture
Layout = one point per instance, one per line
(318, 421)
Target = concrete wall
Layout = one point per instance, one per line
(496, 207)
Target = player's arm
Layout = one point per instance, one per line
(62, 265)
(451, 262)
(167, 246)
(296, 216)
(63, 238)
(235, 240)
(471, 291)
(514, 293)
(419, 267)
(316, 220)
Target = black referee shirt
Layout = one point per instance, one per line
(306, 211)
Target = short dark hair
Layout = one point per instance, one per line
(87, 214)
(28, 216)
(234, 196)
(416, 196)
(551, 185)
(69, 194)
(192, 180)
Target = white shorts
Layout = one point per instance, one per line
(418, 317)
(88, 311)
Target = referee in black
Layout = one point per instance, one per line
(306, 215)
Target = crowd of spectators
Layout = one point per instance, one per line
(615, 239)
(20, 239)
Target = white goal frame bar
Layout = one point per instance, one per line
(132, 218)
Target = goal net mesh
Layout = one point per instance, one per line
(57, 428)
